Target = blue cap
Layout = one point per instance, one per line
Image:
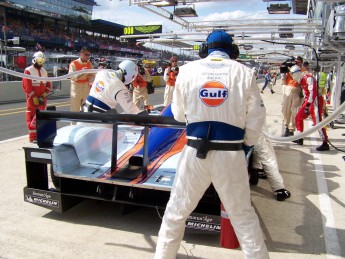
(219, 40)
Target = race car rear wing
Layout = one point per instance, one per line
(47, 128)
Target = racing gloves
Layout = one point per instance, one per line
(42, 98)
(39, 100)
(36, 101)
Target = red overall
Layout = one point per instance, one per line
(34, 88)
(308, 84)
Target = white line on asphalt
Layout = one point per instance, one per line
(328, 223)
(13, 139)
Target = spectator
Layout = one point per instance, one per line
(35, 92)
(80, 84)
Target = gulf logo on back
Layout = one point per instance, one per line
(213, 93)
(100, 86)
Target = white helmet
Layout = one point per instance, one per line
(130, 71)
(296, 73)
(39, 58)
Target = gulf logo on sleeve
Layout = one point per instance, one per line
(213, 93)
(100, 86)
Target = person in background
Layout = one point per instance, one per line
(322, 91)
(103, 63)
(329, 86)
(306, 67)
(35, 92)
(299, 61)
(154, 71)
(140, 86)
(80, 84)
(268, 82)
(308, 84)
(274, 78)
(170, 74)
(218, 129)
(291, 101)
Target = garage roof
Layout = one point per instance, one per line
(105, 27)
(300, 6)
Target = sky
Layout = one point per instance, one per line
(119, 11)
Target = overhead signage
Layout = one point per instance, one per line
(196, 47)
(142, 30)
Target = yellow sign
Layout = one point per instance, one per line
(144, 29)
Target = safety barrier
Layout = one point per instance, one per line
(12, 91)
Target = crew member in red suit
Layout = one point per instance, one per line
(36, 92)
(308, 84)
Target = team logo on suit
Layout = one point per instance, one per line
(213, 93)
(100, 86)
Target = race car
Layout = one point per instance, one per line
(127, 159)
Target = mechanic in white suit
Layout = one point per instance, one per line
(221, 105)
(109, 89)
(265, 157)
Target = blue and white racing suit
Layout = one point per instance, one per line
(107, 91)
(218, 99)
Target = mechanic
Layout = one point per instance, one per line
(308, 84)
(222, 107)
(291, 101)
(140, 85)
(35, 92)
(265, 157)
(170, 75)
(80, 84)
(109, 89)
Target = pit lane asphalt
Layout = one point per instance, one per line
(308, 225)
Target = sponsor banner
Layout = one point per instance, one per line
(42, 198)
(142, 29)
(203, 222)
